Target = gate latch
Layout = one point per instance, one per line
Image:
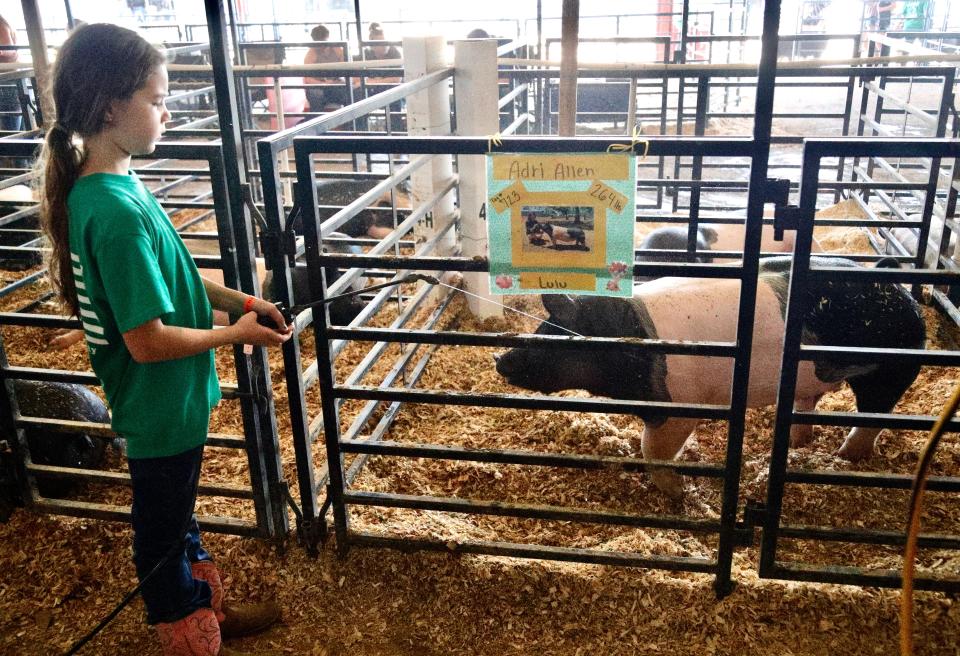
(776, 191)
(785, 217)
(270, 240)
(754, 515)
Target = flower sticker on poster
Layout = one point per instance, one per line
(561, 223)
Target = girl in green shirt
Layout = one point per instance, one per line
(120, 267)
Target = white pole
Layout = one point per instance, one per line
(568, 68)
(475, 63)
(428, 114)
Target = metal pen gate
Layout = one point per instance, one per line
(252, 390)
(771, 515)
(356, 443)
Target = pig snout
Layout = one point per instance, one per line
(505, 365)
(519, 368)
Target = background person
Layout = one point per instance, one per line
(9, 97)
(293, 97)
(377, 51)
(330, 96)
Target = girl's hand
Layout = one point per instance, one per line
(248, 331)
(266, 309)
(64, 339)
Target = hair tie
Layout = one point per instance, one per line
(58, 127)
(634, 140)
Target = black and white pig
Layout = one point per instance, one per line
(368, 223)
(63, 449)
(556, 234)
(710, 237)
(343, 310)
(836, 313)
(674, 238)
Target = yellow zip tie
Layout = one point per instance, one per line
(629, 148)
(494, 140)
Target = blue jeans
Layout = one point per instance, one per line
(164, 493)
(11, 122)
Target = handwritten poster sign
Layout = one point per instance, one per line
(561, 223)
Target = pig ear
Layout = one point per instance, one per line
(563, 308)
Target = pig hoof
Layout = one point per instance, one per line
(668, 482)
(855, 452)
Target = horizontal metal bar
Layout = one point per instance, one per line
(93, 428)
(426, 263)
(865, 147)
(228, 390)
(533, 458)
(872, 420)
(51, 375)
(528, 511)
(863, 354)
(97, 429)
(746, 71)
(122, 478)
(448, 397)
(867, 276)
(713, 349)
(518, 550)
(869, 479)
(681, 146)
(865, 536)
(856, 576)
(226, 441)
(209, 523)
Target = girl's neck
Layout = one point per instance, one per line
(104, 156)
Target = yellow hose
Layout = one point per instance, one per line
(913, 522)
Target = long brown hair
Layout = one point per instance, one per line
(97, 65)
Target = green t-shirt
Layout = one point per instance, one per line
(131, 266)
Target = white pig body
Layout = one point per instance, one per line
(691, 309)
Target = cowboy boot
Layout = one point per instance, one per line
(197, 634)
(235, 619)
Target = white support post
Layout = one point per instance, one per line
(428, 114)
(38, 55)
(477, 97)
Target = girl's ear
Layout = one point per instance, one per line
(113, 108)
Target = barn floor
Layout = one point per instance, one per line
(59, 576)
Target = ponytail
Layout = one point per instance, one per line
(97, 65)
(60, 163)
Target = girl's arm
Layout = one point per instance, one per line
(153, 341)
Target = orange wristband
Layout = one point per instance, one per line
(248, 304)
